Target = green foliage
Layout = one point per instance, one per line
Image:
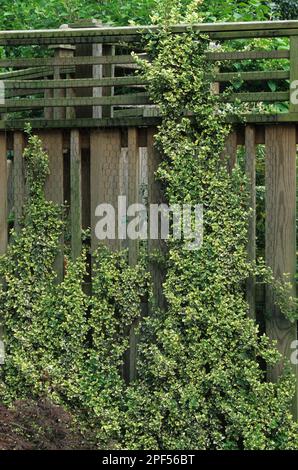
(41, 14)
(286, 9)
(60, 343)
(200, 383)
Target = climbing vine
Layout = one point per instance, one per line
(61, 344)
(201, 385)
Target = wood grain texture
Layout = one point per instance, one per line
(75, 194)
(293, 68)
(155, 196)
(250, 164)
(3, 194)
(60, 93)
(133, 185)
(18, 177)
(105, 149)
(130, 369)
(230, 150)
(52, 142)
(280, 232)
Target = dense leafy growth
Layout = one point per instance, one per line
(200, 382)
(52, 13)
(60, 343)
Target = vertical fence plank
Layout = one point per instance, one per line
(75, 194)
(133, 185)
(155, 196)
(105, 149)
(133, 245)
(293, 68)
(62, 50)
(3, 205)
(123, 190)
(52, 142)
(250, 162)
(102, 71)
(231, 150)
(3, 194)
(280, 231)
(18, 177)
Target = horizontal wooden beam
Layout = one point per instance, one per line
(73, 83)
(69, 61)
(137, 120)
(48, 41)
(247, 55)
(130, 33)
(268, 33)
(137, 98)
(128, 30)
(253, 76)
(79, 123)
(269, 97)
(33, 72)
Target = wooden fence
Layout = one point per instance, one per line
(85, 100)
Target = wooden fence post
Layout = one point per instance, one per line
(18, 177)
(3, 205)
(3, 195)
(155, 196)
(105, 150)
(61, 50)
(281, 232)
(76, 194)
(293, 69)
(250, 163)
(133, 245)
(52, 142)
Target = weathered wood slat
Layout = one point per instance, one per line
(133, 99)
(294, 73)
(132, 30)
(247, 34)
(250, 167)
(247, 55)
(74, 40)
(105, 149)
(280, 232)
(269, 97)
(83, 122)
(136, 37)
(3, 194)
(137, 98)
(68, 83)
(251, 76)
(230, 150)
(52, 141)
(133, 245)
(137, 120)
(32, 72)
(18, 178)
(131, 34)
(75, 194)
(155, 196)
(68, 61)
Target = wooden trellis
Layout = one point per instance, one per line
(97, 124)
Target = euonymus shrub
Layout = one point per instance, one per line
(200, 385)
(61, 343)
